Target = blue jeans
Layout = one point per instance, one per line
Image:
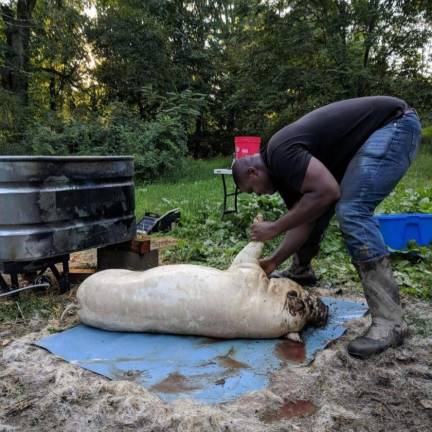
(371, 175)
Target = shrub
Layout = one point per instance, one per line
(158, 145)
(13, 121)
(427, 137)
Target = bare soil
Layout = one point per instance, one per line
(391, 392)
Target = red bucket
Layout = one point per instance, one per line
(246, 146)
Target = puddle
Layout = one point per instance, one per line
(290, 410)
(289, 350)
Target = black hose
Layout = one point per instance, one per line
(43, 285)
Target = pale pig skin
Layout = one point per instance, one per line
(240, 302)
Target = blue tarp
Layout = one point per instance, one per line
(209, 370)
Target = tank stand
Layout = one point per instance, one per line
(36, 268)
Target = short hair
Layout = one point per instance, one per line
(237, 171)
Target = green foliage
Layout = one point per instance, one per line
(427, 137)
(427, 132)
(158, 145)
(208, 240)
(216, 242)
(31, 306)
(333, 263)
(52, 136)
(296, 56)
(13, 122)
(415, 278)
(60, 54)
(409, 200)
(259, 64)
(133, 47)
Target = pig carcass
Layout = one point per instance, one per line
(240, 302)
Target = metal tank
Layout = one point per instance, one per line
(51, 206)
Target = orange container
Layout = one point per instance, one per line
(246, 146)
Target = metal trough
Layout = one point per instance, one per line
(52, 206)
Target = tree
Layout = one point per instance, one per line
(132, 46)
(17, 19)
(259, 64)
(60, 56)
(299, 55)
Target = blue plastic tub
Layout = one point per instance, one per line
(399, 229)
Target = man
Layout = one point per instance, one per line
(345, 157)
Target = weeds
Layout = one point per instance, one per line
(206, 239)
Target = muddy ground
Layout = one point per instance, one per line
(393, 392)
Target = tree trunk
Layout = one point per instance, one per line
(17, 31)
(197, 137)
(53, 95)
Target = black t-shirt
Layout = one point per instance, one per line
(332, 134)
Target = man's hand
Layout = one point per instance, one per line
(262, 231)
(268, 265)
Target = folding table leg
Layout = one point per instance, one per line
(236, 192)
(224, 211)
(229, 194)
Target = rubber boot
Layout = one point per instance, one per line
(382, 295)
(301, 270)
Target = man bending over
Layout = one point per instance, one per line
(343, 158)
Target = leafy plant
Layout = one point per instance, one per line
(208, 240)
(427, 137)
(409, 200)
(158, 145)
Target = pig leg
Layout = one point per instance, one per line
(248, 255)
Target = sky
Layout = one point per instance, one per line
(90, 11)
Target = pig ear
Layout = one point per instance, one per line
(294, 336)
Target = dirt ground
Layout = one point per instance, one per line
(392, 392)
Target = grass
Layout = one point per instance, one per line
(420, 172)
(188, 188)
(198, 193)
(195, 185)
(31, 306)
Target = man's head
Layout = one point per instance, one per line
(251, 175)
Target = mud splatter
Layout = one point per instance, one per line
(231, 363)
(175, 383)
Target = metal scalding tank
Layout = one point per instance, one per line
(52, 206)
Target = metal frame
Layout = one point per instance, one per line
(223, 172)
(14, 268)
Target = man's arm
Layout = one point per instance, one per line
(319, 188)
(292, 242)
